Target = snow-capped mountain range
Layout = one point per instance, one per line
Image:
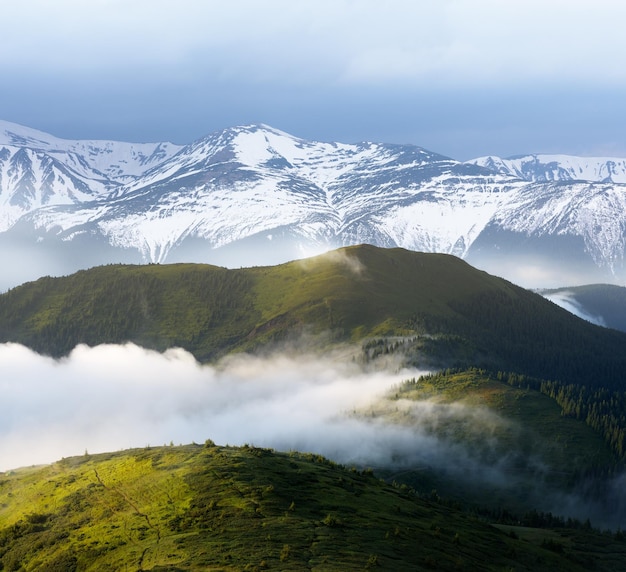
(254, 195)
(545, 168)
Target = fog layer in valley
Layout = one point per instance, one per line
(113, 397)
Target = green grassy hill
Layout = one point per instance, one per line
(457, 315)
(220, 508)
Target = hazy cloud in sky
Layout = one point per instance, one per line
(448, 42)
(462, 77)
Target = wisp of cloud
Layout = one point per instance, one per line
(567, 301)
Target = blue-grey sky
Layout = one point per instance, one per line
(460, 77)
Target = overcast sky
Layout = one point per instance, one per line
(460, 77)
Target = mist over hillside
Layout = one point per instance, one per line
(112, 398)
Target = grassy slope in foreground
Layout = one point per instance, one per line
(355, 292)
(221, 508)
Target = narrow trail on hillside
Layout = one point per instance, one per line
(137, 511)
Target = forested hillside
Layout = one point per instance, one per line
(453, 314)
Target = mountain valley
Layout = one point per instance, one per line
(325, 311)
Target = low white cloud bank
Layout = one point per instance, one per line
(112, 397)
